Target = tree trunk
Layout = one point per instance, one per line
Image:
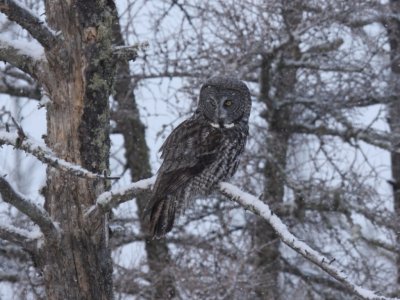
(137, 159)
(283, 81)
(393, 29)
(78, 265)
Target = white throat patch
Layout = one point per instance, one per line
(216, 125)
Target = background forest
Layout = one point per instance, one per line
(104, 83)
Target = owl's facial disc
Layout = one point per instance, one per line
(221, 106)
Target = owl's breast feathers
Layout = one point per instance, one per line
(191, 148)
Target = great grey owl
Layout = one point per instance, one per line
(202, 151)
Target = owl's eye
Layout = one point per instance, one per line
(228, 103)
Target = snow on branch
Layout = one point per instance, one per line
(125, 53)
(261, 209)
(36, 213)
(45, 155)
(17, 235)
(27, 19)
(31, 92)
(22, 55)
(107, 200)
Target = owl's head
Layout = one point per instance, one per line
(224, 102)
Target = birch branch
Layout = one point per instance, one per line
(261, 209)
(37, 214)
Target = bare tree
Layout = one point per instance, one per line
(128, 123)
(75, 73)
(393, 29)
(312, 68)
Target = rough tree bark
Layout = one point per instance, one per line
(393, 30)
(274, 76)
(128, 123)
(78, 264)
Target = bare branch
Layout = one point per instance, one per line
(37, 214)
(45, 155)
(127, 53)
(321, 67)
(20, 57)
(347, 102)
(10, 276)
(381, 244)
(17, 236)
(111, 199)
(107, 200)
(261, 209)
(31, 92)
(370, 136)
(30, 22)
(307, 276)
(325, 47)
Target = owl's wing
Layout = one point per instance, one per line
(190, 148)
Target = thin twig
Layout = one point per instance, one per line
(261, 209)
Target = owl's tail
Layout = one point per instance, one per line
(162, 216)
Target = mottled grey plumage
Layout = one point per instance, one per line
(201, 151)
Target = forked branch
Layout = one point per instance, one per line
(17, 236)
(261, 209)
(111, 199)
(37, 214)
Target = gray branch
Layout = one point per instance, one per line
(17, 236)
(20, 58)
(261, 209)
(106, 201)
(127, 53)
(45, 155)
(10, 276)
(31, 92)
(37, 214)
(26, 19)
(370, 136)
